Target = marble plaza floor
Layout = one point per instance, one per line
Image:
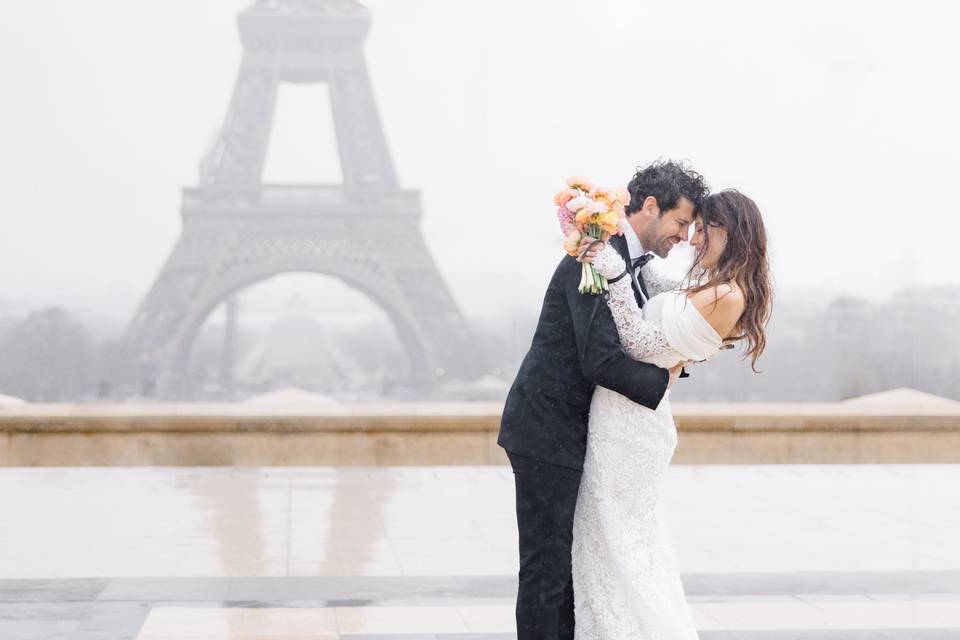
(297, 553)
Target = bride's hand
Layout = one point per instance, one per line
(605, 258)
(590, 247)
(675, 372)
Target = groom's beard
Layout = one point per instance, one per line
(662, 245)
(666, 245)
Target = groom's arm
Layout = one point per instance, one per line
(602, 359)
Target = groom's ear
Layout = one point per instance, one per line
(650, 207)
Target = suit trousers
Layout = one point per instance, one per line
(546, 500)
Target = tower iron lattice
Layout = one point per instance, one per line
(238, 231)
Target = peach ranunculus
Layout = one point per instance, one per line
(622, 196)
(610, 222)
(580, 182)
(584, 217)
(603, 195)
(572, 242)
(564, 196)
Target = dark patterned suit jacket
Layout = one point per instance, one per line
(575, 348)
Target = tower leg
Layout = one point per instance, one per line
(229, 357)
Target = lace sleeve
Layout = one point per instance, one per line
(640, 338)
(656, 281)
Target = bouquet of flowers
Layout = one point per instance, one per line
(588, 210)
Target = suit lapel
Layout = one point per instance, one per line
(620, 244)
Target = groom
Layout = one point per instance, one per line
(576, 348)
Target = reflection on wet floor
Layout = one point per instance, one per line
(311, 552)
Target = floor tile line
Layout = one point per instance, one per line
(366, 589)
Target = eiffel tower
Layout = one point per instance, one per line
(238, 231)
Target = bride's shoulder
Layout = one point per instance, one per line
(724, 294)
(721, 305)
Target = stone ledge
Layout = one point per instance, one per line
(453, 433)
(447, 417)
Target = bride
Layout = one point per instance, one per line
(626, 581)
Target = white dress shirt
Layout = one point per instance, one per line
(633, 246)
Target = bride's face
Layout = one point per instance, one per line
(710, 242)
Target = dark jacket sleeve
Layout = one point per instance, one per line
(602, 359)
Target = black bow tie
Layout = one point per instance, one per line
(642, 260)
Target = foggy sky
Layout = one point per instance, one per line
(838, 118)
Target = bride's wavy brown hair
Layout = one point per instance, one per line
(744, 261)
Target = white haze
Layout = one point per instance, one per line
(839, 118)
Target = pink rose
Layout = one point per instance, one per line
(598, 206)
(575, 204)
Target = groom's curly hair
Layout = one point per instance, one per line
(667, 181)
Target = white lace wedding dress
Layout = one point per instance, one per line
(626, 583)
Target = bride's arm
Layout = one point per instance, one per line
(656, 281)
(640, 338)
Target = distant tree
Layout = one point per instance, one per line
(45, 357)
(113, 370)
